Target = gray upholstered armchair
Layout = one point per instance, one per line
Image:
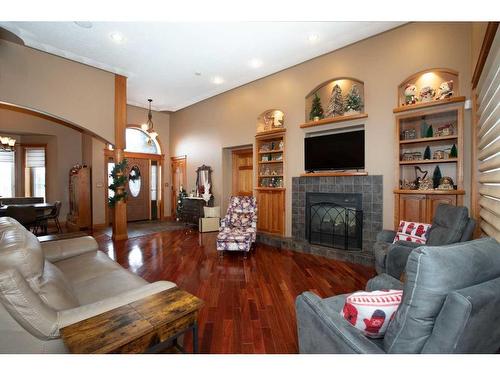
(451, 224)
(451, 304)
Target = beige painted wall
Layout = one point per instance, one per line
(161, 122)
(72, 91)
(64, 149)
(382, 62)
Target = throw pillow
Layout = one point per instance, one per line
(241, 220)
(371, 312)
(412, 232)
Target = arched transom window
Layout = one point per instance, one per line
(139, 141)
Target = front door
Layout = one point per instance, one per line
(178, 168)
(138, 199)
(243, 172)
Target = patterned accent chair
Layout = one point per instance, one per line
(238, 228)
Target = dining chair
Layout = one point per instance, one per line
(54, 215)
(26, 215)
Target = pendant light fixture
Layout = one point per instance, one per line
(148, 126)
(7, 144)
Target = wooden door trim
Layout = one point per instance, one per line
(489, 36)
(174, 159)
(234, 173)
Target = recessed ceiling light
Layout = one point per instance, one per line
(84, 24)
(313, 38)
(117, 37)
(218, 80)
(255, 63)
(197, 73)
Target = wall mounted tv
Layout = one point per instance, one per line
(339, 151)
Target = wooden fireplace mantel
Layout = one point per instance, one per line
(333, 174)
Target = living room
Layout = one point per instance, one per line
(279, 186)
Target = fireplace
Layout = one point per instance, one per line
(334, 220)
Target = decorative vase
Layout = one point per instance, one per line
(316, 118)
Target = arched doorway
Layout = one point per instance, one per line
(144, 172)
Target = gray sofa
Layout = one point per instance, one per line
(450, 224)
(451, 304)
(47, 286)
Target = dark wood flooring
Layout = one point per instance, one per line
(249, 304)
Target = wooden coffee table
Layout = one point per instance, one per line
(148, 325)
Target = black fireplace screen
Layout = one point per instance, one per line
(333, 225)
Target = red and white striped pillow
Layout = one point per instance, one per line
(371, 312)
(412, 232)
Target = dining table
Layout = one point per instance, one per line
(41, 210)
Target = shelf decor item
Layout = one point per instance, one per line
(336, 103)
(410, 94)
(317, 112)
(423, 129)
(446, 183)
(430, 132)
(427, 94)
(453, 151)
(436, 176)
(353, 101)
(270, 120)
(445, 90)
(427, 153)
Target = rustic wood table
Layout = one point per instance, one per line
(148, 325)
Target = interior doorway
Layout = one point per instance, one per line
(242, 177)
(179, 178)
(138, 191)
(144, 176)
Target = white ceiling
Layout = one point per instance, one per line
(160, 58)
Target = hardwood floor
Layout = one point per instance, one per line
(249, 304)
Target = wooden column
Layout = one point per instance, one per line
(120, 210)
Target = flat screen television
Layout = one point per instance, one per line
(340, 151)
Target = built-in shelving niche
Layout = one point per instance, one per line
(324, 92)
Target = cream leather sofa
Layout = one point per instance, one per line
(47, 286)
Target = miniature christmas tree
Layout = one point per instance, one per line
(336, 103)
(353, 100)
(436, 176)
(316, 109)
(180, 202)
(453, 152)
(427, 153)
(430, 132)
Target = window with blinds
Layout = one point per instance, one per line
(488, 143)
(8, 174)
(34, 172)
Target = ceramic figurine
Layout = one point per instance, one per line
(410, 94)
(445, 90)
(427, 94)
(446, 183)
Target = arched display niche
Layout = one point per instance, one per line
(325, 90)
(428, 88)
(270, 120)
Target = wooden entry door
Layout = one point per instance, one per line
(178, 169)
(138, 189)
(243, 172)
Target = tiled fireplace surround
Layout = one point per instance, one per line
(371, 189)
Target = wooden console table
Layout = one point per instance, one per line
(144, 326)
